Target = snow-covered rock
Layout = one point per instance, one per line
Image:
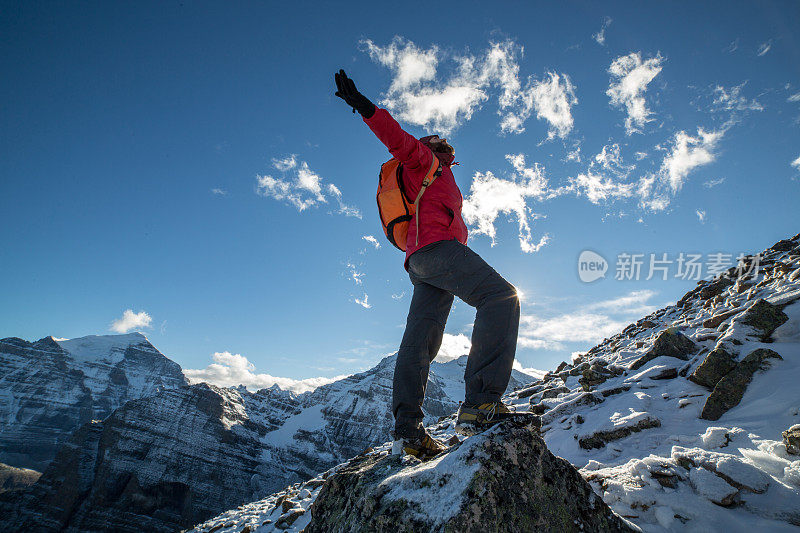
(49, 388)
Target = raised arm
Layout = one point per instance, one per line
(410, 151)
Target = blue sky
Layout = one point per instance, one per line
(188, 163)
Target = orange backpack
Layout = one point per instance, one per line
(395, 210)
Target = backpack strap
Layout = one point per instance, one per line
(430, 177)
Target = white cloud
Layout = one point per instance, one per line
(603, 180)
(570, 327)
(363, 302)
(421, 95)
(732, 100)
(589, 324)
(552, 98)
(300, 186)
(796, 163)
(733, 46)
(764, 48)
(130, 321)
(231, 370)
(598, 188)
(355, 275)
(453, 347)
(535, 372)
(219, 192)
(686, 154)
(701, 215)
(689, 153)
(398, 296)
(600, 36)
(633, 303)
(630, 77)
(372, 240)
(794, 98)
(713, 183)
(490, 196)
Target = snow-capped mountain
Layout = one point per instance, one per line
(50, 388)
(177, 457)
(688, 419)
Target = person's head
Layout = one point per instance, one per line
(438, 144)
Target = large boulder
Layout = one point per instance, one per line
(669, 343)
(765, 318)
(730, 389)
(503, 480)
(714, 367)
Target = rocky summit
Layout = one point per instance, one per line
(504, 480)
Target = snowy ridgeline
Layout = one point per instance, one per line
(676, 422)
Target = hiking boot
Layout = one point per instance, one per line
(474, 419)
(422, 446)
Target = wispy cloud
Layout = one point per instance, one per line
(130, 321)
(231, 370)
(301, 187)
(764, 48)
(604, 180)
(588, 324)
(372, 240)
(600, 36)
(553, 98)
(701, 216)
(354, 274)
(441, 90)
(710, 184)
(794, 98)
(733, 46)
(796, 163)
(398, 296)
(363, 302)
(219, 192)
(731, 99)
(490, 196)
(686, 154)
(630, 78)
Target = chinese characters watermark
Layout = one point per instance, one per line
(662, 266)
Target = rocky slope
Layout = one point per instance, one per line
(687, 419)
(177, 457)
(49, 388)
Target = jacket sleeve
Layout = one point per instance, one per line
(406, 148)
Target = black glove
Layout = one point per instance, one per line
(346, 90)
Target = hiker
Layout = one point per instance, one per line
(441, 266)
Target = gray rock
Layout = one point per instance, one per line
(601, 438)
(668, 344)
(729, 390)
(714, 367)
(764, 317)
(467, 491)
(718, 319)
(791, 437)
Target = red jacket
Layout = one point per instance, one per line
(440, 207)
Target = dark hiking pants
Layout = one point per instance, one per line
(439, 271)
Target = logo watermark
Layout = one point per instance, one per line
(591, 266)
(686, 266)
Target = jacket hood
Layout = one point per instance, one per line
(443, 157)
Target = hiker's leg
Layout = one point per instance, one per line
(453, 267)
(421, 341)
(494, 339)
